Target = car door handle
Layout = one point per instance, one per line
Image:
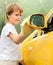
(30, 48)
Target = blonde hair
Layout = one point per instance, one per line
(13, 7)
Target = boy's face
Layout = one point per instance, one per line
(15, 17)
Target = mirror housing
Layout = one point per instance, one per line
(28, 28)
(37, 21)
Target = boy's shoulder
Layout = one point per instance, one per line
(8, 25)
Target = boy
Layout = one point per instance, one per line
(10, 49)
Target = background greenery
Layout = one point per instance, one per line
(29, 6)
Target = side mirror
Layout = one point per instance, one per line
(37, 21)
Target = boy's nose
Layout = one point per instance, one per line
(19, 16)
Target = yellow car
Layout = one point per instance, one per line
(37, 48)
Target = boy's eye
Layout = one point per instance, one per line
(18, 14)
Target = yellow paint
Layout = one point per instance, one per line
(39, 50)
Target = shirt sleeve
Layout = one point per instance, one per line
(8, 29)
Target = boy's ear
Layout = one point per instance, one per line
(7, 16)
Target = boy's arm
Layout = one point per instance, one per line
(16, 38)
